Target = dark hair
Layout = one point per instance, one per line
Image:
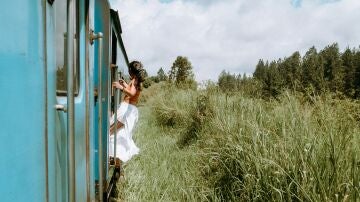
(136, 69)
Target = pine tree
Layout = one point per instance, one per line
(293, 67)
(274, 80)
(317, 72)
(161, 75)
(313, 71)
(333, 71)
(349, 72)
(357, 74)
(283, 73)
(260, 71)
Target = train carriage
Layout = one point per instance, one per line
(57, 61)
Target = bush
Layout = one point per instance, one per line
(199, 117)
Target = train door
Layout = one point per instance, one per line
(71, 119)
(101, 30)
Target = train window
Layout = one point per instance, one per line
(60, 54)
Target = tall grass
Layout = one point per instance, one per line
(162, 171)
(211, 146)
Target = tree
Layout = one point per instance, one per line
(273, 80)
(282, 74)
(313, 71)
(172, 75)
(357, 74)
(260, 71)
(333, 71)
(227, 82)
(291, 70)
(181, 72)
(349, 72)
(161, 75)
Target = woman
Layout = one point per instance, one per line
(127, 114)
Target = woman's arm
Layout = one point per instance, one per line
(129, 89)
(112, 127)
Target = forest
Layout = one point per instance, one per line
(317, 72)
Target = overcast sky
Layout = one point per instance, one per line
(232, 34)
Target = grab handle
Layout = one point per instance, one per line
(70, 58)
(99, 37)
(116, 101)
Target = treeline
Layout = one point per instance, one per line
(181, 74)
(316, 72)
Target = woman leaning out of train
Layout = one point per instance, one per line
(127, 114)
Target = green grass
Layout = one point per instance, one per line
(211, 146)
(161, 171)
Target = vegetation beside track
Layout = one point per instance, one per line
(207, 145)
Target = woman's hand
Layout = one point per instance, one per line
(113, 128)
(123, 83)
(117, 85)
(128, 89)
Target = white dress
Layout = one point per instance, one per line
(125, 145)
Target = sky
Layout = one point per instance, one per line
(232, 35)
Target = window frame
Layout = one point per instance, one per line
(62, 91)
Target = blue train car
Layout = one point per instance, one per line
(57, 61)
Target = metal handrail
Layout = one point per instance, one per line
(99, 37)
(116, 100)
(70, 97)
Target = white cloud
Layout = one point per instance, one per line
(232, 34)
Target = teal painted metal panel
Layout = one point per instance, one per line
(51, 101)
(22, 87)
(80, 108)
(91, 53)
(102, 24)
(33, 146)
(61, 165)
